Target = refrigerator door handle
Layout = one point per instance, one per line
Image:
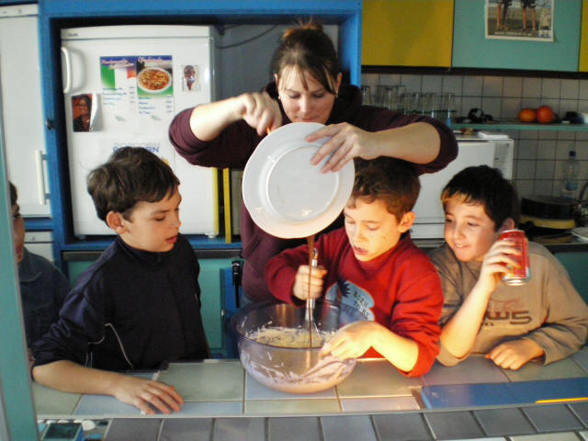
(67, 60)
(40, 157)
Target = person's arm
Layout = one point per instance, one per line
(353, 340)
(146, 395)
(460, 332)
(259, 110)
(418, 143)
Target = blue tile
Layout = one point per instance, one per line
(504, 421)
(211, 408)
(581, 411)
(402, 427)
(355, 427)
(524, 392)
(294, 429)
(553, 418)
(454, 425)
(231, 429)
(134, 429)
(186, 429)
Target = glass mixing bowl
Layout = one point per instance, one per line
(278, 365)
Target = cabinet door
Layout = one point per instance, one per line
(584, 38)
(21, 108)
(471, 48)
(407, 32)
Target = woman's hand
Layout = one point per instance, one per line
(260, 111)
(346, 142)
(301, 282)
(147, 395)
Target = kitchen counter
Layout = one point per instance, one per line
(471, 400)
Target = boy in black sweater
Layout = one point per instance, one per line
(138, 305)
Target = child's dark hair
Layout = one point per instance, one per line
(485, 185)
(129, 176)
(307, 48)
(13, 194)
(393, 181)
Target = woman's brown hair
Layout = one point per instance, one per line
(307, 48)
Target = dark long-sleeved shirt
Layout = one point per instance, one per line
(130, 310)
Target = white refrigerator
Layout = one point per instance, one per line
(122, 86)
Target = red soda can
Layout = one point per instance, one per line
(522, 274)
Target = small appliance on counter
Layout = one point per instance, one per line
(548, 219)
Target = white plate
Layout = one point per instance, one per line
(581, 233)
(285, 194)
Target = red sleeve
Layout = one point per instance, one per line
(280, 272)
(418, 309)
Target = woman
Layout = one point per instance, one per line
(307, 87)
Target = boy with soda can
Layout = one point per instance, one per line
(504, 297)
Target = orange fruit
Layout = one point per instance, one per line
(527, 115)
(545, 115)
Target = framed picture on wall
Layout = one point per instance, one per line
(519, 19)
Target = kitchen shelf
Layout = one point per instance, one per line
(511, 125)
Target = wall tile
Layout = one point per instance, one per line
(543, 186)
(546, 150)
(468, 103)
(551, 88)
(570, 89)
(531, 103)
(413, 83)
(453, 84)
(568, 105)
(583, 90)
(531, 87)
(511, 108)
(525, 187)
(472, 86)
(492, 86)
(431, 83)
(525, 169)
(492, 106)
(390, 79)
(526, 149)
(544, 170)
(562, 149)
(512, 87)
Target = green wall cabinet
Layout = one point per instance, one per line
(472, 49)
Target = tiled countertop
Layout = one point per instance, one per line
(215, 388)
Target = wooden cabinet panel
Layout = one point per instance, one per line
(407, 32)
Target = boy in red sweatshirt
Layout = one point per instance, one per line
(373, 265)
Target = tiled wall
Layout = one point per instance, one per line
(539, 155)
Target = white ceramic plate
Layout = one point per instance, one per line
(581, 233)
(287, 196)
